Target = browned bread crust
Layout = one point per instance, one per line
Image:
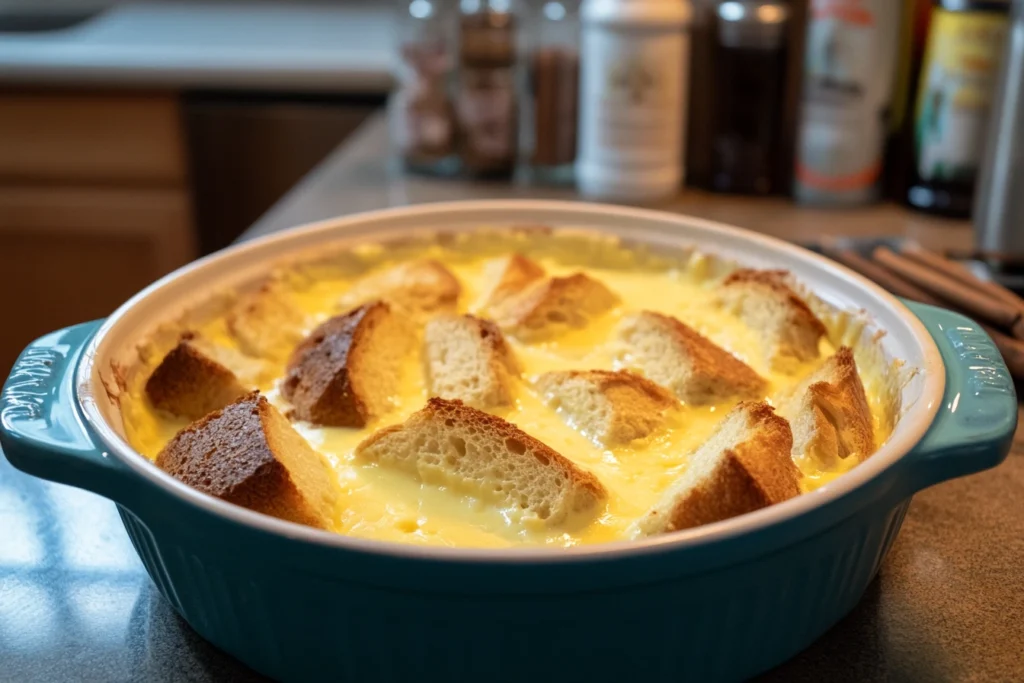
(743, 467)
(415, 288)
(693, 367)
(266, 323)
(248, 454)
(766, 301)
(344, 373)
(547, 307)
(610, 407)
(830, 414)
(509, 276)
(189, 382)
(450, 444)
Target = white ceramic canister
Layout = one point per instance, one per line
(634, 66)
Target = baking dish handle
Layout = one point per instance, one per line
(974, 427)
(41, 430)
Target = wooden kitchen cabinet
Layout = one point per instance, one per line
(92, 139)
(94, 205)
(71, 255)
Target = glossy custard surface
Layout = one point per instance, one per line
(383, 504)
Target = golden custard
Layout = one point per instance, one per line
(389, 505)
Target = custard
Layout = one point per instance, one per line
(378, 503)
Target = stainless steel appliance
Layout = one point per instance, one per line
(999, 206)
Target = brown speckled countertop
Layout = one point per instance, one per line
(948, 604)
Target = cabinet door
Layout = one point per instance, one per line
(68, 255)
(89, 138)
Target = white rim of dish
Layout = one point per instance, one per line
(921, 415)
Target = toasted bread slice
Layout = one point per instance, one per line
(508, 276)
(192, 380)
(612, 408)
(346, 371)
(744, 466)
(550, 306)
(468, 359)
(693, 367)
(248, 454)
(266, 323)
(830, 415)
(450, 444)
(415, 288)
(766, 302)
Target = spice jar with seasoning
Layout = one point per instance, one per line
(750, 62)
(550, 101)
(486, 103)
(422, 115)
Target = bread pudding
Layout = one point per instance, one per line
(516, 386)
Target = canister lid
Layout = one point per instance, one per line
(752, 23)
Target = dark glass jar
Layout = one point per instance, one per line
(750, 64)
(487, 106)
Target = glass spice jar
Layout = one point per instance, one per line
(486, 106)
(421, 108)
(551, 96)
(751, 60)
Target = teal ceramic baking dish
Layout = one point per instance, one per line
(718, 603)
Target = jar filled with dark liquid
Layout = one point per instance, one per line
(750, 63)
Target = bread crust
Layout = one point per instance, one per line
(237, 454)
(830, 413)
(190, 383)
(417, 289)
(549, 306)
(768, 303)
(510, 276)
(425, 439)
(457, 345)
(750, 470)
(264, 323)
(698, 371)
(633, 406)
(323, 378)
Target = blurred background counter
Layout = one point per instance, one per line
(360, 176)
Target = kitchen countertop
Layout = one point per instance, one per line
(283, 46)
(359, 176)
(76, 604)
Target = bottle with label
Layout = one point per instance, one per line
(421, 112)
(634, 62)
(849, 70)
(958, 75)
